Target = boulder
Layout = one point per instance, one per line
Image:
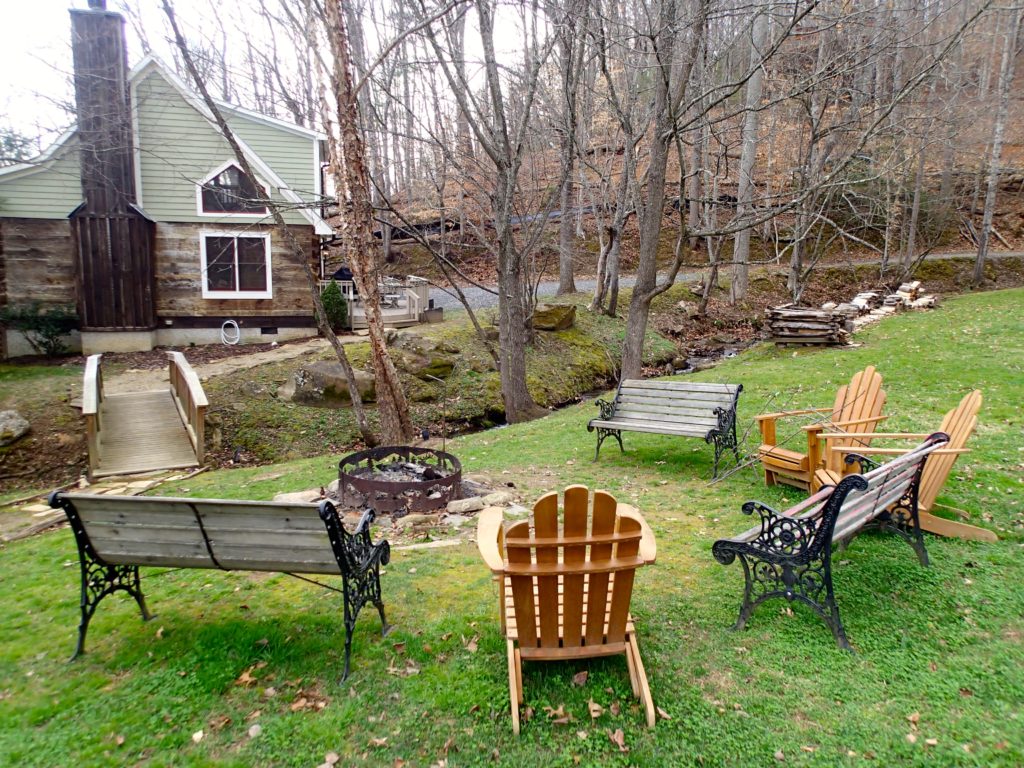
(554, 317)
(461, 506)
(13, 426)
(425, 359)
(691, 309)
(498, 499)
(323, 384)
(300, 497)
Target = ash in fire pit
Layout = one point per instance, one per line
(399, 479)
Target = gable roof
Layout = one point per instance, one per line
(40, 161)
(152, 63)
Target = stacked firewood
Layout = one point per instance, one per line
(790, 324)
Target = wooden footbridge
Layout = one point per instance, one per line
(135, 432)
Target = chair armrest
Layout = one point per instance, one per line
(488, 538)
(648, 546)
(801, 412)
(883, 435)
(850, 423)
(857, 449)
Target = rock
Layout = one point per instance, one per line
(554, 317)
(461, 506)
(425, 359)
(332, 488)
(13, 427)
(456, 521)
(300, 497)
(498, 499)
(828, 306)
(680, 363)
(323, 384)
(692, 310)
(417, 520)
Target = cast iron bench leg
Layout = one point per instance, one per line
(100, 580)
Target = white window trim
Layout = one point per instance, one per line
(223, 214)
(210, 294)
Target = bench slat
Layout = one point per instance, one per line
(697, 407)
(655, 428)
(634, 414)
(682, 386)
(696, 397)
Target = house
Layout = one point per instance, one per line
(140, 217)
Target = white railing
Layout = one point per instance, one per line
(92, 402)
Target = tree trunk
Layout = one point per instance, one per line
(363, 255)
(998, 128)
(745, 192)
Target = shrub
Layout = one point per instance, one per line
(335, 306)
(44, 328)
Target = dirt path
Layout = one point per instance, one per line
(142, 380)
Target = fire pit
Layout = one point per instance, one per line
(399, 479)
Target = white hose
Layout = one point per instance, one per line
(230, 333)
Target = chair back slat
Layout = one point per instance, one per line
(522, 586)
(863, 398)
(959, 424)
(622, 587)
(545, 525)
(577, 498)
(602, 523)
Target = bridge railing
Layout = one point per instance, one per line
(92, 402)
(190, 400)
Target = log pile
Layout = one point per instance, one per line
(833, 323)
(790, 324)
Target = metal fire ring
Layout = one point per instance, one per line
(394, 496)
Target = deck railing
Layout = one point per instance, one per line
(190, 400)
(92, 402)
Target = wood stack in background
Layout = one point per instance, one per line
(790, 324)
(832, 324)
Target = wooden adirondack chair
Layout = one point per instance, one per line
(566, 585)
(959, 424)
(851, 420)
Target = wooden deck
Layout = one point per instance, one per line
(143, 432)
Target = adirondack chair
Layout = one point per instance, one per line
(959, 424)
(850, 421)
(565, 586)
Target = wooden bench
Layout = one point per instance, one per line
(117, 534)
(789, 553)
(687, 409)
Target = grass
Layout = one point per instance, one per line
(939, 650)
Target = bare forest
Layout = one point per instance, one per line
(721, 134)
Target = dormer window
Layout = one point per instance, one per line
(230, 191)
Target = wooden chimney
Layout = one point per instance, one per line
(113, 240)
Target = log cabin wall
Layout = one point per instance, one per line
(179, 286)
(38, 262)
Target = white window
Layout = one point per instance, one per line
(227, 191)
(235, 265)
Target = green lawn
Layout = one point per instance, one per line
(938, 677)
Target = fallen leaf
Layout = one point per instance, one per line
(471, 645)
(253, 715)
(399, 763)
(581, 734)
(119, 740)
(160, 633)
(331, 758)
(661, 713)
(807, 748)
(197, 737)
(299, 703)
(474, 708)
(780, 756)
(618, 738)
(446, 636)
(495, 754)
(551, 712)
(399, 647)
(449, 745)
(914, 718)
(912, 738)
(255, 730)
(966, 692)
(378, 742)
(615, 708)
(269, 692)
(931, 742)
(595, 709)
(580, 678)
(218, 721)
(528, 714)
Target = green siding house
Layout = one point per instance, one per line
(140, 217)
